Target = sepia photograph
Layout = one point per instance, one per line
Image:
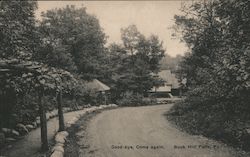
(125, 78)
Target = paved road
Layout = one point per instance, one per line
(145, 132)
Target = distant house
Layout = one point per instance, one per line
(97, 86)
(100, 89)
(171, 86)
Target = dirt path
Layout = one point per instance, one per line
(30, 145)
(144, 132)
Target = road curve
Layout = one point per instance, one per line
(145, 132)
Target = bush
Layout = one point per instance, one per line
(131, 99)
(213, 120)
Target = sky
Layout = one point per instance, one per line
(150, 17)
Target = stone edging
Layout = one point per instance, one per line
(60, 137)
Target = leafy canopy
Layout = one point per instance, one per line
(132, 63)
(73, 40)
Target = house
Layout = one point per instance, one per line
(97, 86)
(99, 89)
(171, 87)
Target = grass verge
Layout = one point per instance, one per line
(72, 148)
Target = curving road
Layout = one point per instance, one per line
(145, 132)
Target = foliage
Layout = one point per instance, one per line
(217, 69)
(73, 40)
(65, 40)
(18, 41)
(131, 38)
(34, 75)
(27, 79)
(131, 65)
(170, 63)
(131, 99)
(17, 29)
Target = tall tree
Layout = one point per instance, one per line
(219, 44)
(74, 36)
(134, 61)
(217, 68)
(131, 38)
(17, 29)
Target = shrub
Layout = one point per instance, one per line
(200, 117)
(132, 99)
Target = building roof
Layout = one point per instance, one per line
(97, 85)
(171, 82)
(166, 88)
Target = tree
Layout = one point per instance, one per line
(217, 68)
(131, 38)
(170, 63)
(21, 44)
(18, 33)
(133, 63)
(73, 38)
(217, 45)
(151, 51)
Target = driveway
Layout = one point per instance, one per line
(145, 132)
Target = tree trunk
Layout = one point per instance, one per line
(60, 111)
(43, 123)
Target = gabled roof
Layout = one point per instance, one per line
(97, 85)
